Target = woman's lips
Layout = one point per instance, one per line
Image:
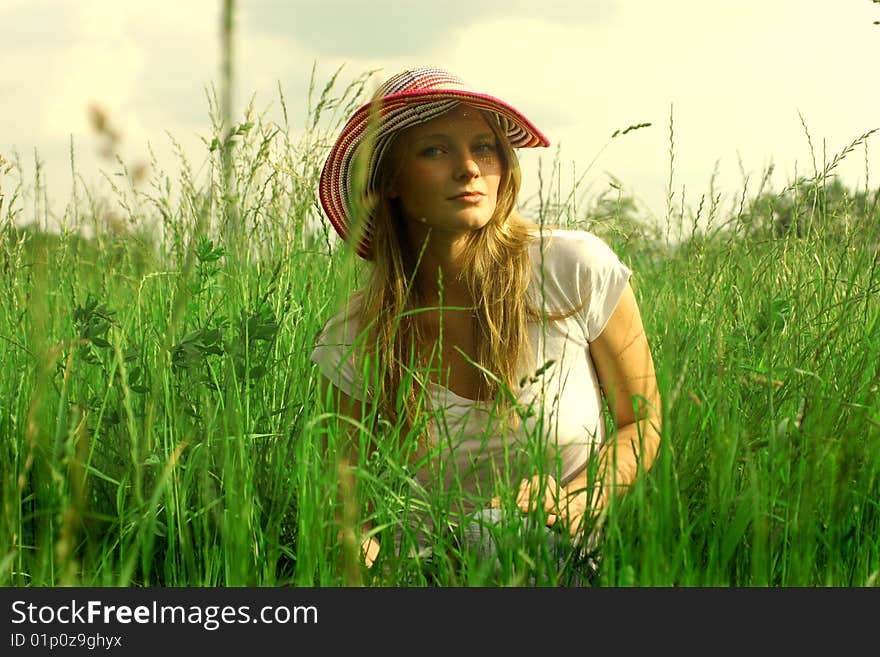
(469, 197)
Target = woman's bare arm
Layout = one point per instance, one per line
(626, 374)
(625, 368)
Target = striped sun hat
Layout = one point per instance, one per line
(407, 99)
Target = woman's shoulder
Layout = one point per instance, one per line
(344, 325)
(578, 269)
(566, 247)
(335, 350)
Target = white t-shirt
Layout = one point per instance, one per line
(474, 455)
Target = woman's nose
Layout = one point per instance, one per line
(467, 168)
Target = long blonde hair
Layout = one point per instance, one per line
(496, 273)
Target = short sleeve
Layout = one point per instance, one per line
(334, 354)
(579, 265)
(608, 277)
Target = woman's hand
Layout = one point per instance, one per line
(370, 550)
(536, 492)
(567, 505)
(577, 507)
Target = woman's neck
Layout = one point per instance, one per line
(438, 284)
(439, 273)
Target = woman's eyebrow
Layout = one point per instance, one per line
(445, 135)
(432, 137)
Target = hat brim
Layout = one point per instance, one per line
(377, 120)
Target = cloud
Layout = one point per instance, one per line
(389, 28)
(38, 25)
(737, 73)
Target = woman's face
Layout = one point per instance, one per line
(448, 171)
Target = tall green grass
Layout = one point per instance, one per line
(161, 420)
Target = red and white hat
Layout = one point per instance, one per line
(407, 99)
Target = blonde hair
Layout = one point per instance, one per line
(496, 273)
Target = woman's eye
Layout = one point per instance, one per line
(432, 151)
(484, 148)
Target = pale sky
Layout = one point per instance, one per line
(736, 75)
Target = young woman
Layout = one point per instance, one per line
(488, 342)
